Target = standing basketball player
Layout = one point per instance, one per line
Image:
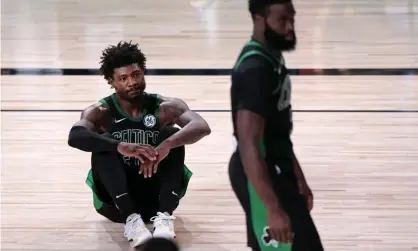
(138, 170)
(264, 172)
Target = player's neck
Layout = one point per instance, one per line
(132, 107)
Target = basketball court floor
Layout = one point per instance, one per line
(356, 116)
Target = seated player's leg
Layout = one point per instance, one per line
(144, 193)
(103, 202)
(110, 175)
(171, 174)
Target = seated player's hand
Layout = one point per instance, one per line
(147, 168)
(163, 150)
(139, 151)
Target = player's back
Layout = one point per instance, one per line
(261, 84)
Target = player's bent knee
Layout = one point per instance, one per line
(166, 132)
(104, 155)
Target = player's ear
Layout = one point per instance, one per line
(110, 82)
(259, 21)
(258, 18)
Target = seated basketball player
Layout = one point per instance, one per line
(138, 172)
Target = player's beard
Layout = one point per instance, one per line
(278, 41)
(130, 98)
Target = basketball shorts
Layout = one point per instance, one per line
(306, 237)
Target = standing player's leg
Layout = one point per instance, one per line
(238, 182)
(110, 175)
(258, 237)
(306, 236)
(173, 183)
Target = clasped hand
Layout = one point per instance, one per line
(149, 156)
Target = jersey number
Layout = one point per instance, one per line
(285, 94)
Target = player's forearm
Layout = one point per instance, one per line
(88, 141)
(256, 170)
(189, 134)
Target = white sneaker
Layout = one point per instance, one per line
(135, 230)
(163, 226)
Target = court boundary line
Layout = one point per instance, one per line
(214, 72)
(228, 111)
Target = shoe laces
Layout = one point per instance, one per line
(131, 226)
(163, 219)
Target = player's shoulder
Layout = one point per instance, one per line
(173, 105)
(153, 96)
(255, 62)
(98, 106)
(167, 101)
(95, 110)
(164, 98)
(157, 99)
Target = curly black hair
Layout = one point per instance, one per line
(261, 7)
(122, 54)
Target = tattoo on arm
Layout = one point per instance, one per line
(178, 112)
(95, 118)
(194, 127)
(85, 134)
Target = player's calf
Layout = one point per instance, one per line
(111, 177)
(171, 171)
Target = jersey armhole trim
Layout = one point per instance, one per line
(157, 108)
(252, 53)
(262, 147)
(104, 103)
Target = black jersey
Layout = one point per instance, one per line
(261, 84)
(142, 130)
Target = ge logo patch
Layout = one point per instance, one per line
(150, 121)
(266, 238)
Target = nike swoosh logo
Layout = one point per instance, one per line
(120, 120)
(278, 170)
(174, 193)
(120, 195)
